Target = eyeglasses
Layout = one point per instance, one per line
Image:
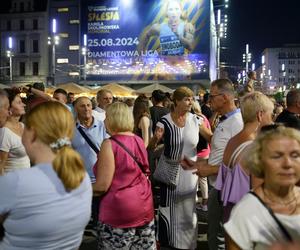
(212, 96)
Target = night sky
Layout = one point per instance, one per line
(262, 24)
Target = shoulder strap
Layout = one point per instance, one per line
(129, 152)
(88, 140)
(281, 227)
(237, 152)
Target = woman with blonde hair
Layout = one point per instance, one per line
(46, 206)
(233, 180)
(271, 212)
(177, 227)
(126, 213)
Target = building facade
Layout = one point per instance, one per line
(68, 66)
(26, 24)
(280, 66)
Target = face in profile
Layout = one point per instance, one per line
(281, 161)
(17, 106)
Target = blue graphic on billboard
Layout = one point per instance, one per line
(146, 40)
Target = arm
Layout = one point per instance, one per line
(157, 136)
(230, 244)
(205, 132)
(188, 37)
(203, 169)
(38, 93)
(154, 30)
(144, 125)
(3, 159)
(105, 169)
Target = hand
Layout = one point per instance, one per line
(188, 164)
(159, 132)
(205, 170)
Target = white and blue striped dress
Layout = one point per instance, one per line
(177, 225)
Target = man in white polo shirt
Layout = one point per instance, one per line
(221, 101)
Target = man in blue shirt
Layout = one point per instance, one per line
(93, 128)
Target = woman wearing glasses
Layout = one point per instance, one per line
(271, 212)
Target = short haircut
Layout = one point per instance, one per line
(158, 95)
(61, 91)
(224, 86)
(293, 97)
(251, 73)
(274, 132)
(102, 92)
(119, 117)
(39, 86)
(206, 97)
(79, 99)
(252, 103)
(181, 93)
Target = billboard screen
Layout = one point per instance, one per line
(146, 40)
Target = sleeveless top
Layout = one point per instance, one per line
(128, 202)
(232, 180)
(169, 42)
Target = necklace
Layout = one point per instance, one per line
(285, 204)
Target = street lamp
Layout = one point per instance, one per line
(247, 57)
(9, 54)
(53, 40)
(84, 53)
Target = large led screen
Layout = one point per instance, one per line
(146, 39)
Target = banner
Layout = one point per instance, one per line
(146, 40)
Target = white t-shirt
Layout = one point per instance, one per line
(252, 227)
(222, 134)
(41, 214)
(11, 143)
(99, 113)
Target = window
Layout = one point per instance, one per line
(62, 60)
(35, 25)
(74, 47)
(22, 68)
(22, 46)
(63, 10)
(35, 68)
(64, 35)
(8, 25)
(35, 46)
(74, 22)
(22, 7)
(22, 25)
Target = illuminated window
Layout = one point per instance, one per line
(63, 10)
(74, 22)
(74, 47)
(64, 35)
(73, 73)
(62, 60)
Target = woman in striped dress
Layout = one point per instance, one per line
(177, 226)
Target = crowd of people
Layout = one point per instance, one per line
(67, 164)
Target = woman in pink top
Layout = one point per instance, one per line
(126, 214)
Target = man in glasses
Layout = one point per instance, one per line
(221, 99)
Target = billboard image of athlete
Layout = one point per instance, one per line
(175, 33)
